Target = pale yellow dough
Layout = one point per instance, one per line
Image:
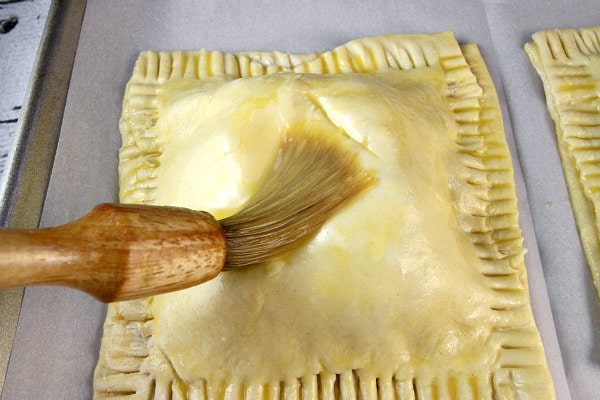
(416, 290)
(568, 62)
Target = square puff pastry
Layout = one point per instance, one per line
(418, 289)
(568, 62)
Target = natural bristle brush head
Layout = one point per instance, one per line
(312, 178)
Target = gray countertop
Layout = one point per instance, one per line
(21, 26)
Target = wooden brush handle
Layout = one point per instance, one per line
(117, 252)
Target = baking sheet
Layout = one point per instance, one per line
(59, 329)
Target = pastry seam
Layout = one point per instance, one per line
(563, 58)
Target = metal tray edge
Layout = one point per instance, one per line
(25, 181)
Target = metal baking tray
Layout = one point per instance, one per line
(66, 159)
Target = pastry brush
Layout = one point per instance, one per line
(125, 251)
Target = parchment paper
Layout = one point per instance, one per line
(59, 330)
(574, 302)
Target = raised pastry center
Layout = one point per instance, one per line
(390, 283)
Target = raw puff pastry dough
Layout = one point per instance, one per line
(568, 62)
(416, 290)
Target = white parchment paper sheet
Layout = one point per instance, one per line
(59, 329)
(574, 302)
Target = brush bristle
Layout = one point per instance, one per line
(312, 178)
